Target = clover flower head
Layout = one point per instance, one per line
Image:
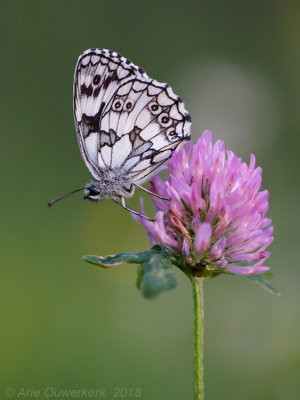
(215, 215)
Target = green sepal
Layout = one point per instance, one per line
(265, 283)
(156, 276)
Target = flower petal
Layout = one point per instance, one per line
(161, 232)
(202, 239)
(252, 270)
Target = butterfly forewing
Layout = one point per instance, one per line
(124, 119)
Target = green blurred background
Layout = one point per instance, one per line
(66, 324)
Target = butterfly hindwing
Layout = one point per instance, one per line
(148, 121)
(124, 119)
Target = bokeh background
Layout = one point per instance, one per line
(66, 324)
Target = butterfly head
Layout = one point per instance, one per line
(93, 192)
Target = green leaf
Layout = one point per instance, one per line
(121, 258)
(265, 283)
(155, 273)
(156, 276)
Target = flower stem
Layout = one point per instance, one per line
(198, 337)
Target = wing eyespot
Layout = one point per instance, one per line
(172, 135)
(164, 120)
(117, 105)
(128, 106)
(155, 108)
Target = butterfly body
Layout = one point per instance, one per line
(113, 186)
(127, 123)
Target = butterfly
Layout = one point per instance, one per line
(127, 124)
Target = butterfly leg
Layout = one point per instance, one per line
(132, 210)
(149, 191)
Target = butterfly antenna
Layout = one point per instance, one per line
(63, 196)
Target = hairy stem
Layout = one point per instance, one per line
(198, 337)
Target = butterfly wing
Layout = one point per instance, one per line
(149, 122)
(124, 119)
(98, 75)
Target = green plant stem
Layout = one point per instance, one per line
(198, 337)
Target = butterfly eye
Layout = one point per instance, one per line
(165, 120)
(117, 105)
(154, 108)
(92, 190)
(172, 135)
(128, 106)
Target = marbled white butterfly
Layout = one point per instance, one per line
(127, 124)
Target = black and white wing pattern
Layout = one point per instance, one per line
(125, 120)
